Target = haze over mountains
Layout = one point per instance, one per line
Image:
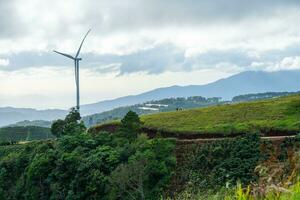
(9, 115)
(242, 83)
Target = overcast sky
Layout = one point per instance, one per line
(138, 45)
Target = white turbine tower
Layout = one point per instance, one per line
(76, 60)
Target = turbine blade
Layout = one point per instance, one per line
(82, 43)
(64, 54)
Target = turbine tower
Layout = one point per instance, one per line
(76, 60)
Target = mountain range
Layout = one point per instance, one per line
(242, 83)
(227, 88)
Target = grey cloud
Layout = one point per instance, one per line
(133, 14)
(155, 60)
(10, 22)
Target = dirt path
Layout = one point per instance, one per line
(272, 138)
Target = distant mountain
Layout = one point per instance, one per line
(163, 105)
(9, 115)
(239, 84)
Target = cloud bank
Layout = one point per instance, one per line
(141, 38)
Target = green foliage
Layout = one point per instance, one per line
(280, 114)
(223, 163)
(83, 166)
(239, 193)
(57, 128)
(130, 125)
(147, 172)
(71, 125)
(298, 137)
(27, 133)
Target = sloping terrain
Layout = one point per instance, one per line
(278, 116)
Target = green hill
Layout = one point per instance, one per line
(171, 104)
(280, 114)
(150, 107)
(273, 116)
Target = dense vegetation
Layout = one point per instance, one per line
(225, 161)
(280, 114)
(244, 168)
(128, 165)
(28, 133)
(124, 165)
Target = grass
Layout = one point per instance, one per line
(281, 114)
(239, 193)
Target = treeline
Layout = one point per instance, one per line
(258, 96)
(24, 133)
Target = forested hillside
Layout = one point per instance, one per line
(21, 133)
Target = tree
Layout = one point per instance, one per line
(57, 128)
(71, 125)
(130, 125)
(128, 180)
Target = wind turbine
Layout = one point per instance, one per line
(76, 60)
